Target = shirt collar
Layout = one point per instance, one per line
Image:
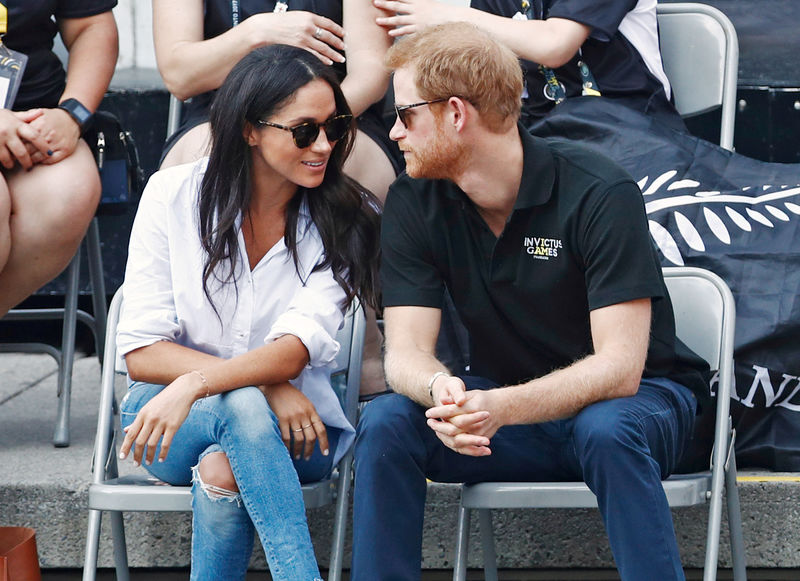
(538, 173)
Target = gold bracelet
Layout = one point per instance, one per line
(204, 380)
(433, 378)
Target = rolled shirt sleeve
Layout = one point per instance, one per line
(314, 316)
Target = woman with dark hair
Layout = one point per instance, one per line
(240, 267)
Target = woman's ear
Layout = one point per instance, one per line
(249, 134)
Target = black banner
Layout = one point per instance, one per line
(737, 217)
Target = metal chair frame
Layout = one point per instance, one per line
(142, 493)
(700, 53)
(70, 314)
(705, 316)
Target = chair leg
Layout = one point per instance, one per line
(487, 543)
(738, 559)
(99, 307)
(61, 434)
(92, 542)
(462, 544)
(340, 520)
(120, 550)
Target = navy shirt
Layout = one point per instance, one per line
(31, 30)
(615, 64)
(577, 240)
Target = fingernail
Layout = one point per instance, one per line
(160, 459)
(49, 152)
(325, 452)
(121, 456)
(135, 463)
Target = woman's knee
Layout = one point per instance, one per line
(215, 476)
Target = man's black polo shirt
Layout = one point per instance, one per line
(577, 240)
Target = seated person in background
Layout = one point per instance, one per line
(198, 42)
(239, 271)
(544, 248)
(49, 185)
(568, 48)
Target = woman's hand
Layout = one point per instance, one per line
(162, 416)
(413, 15)
(60, 131)
(20, 141)
(299, 423)
(320, 36)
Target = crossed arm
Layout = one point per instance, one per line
(465, 421)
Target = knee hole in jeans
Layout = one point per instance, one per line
(213, 474)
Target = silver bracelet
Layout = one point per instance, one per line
(433, 378)
(203, 380)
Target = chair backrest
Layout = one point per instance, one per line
(348, 361)
(174, 115)
(700, 52)
(705, 320)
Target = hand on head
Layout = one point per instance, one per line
(410, 16)
(318, 35)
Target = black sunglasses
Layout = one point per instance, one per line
(401, 109)
(306, 133)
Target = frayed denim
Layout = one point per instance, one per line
(240, 424)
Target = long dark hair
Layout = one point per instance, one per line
(344, 212)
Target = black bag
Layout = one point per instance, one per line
(117, 159)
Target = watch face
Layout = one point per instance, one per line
(75, 108)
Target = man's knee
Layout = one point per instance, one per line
(604, 432)
(215, 475)
(388, 422)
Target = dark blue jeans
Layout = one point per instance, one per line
(621, 448)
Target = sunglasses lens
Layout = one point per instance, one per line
(401, 114)
(337, 127)
(305, 134)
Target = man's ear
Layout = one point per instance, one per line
(249, 134)
(459, 112)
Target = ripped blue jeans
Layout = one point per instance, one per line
(240, 424)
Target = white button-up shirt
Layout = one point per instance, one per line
(164, 298)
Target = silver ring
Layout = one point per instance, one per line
(304, 427)
(298, 430)
(317, 33)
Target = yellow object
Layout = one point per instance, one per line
(3, 19)
(765, 478)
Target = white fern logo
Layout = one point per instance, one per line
(761, 206)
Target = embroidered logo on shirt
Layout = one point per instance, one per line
(541, 248)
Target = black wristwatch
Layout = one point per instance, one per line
(78, 112)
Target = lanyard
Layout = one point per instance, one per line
(235, 12)
(554, 89)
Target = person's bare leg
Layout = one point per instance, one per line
(369, 166)
(193, 145)
(51, 207)
(5, 222)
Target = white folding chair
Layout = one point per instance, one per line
(142, 493)
(700, 53)
(705, 320)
